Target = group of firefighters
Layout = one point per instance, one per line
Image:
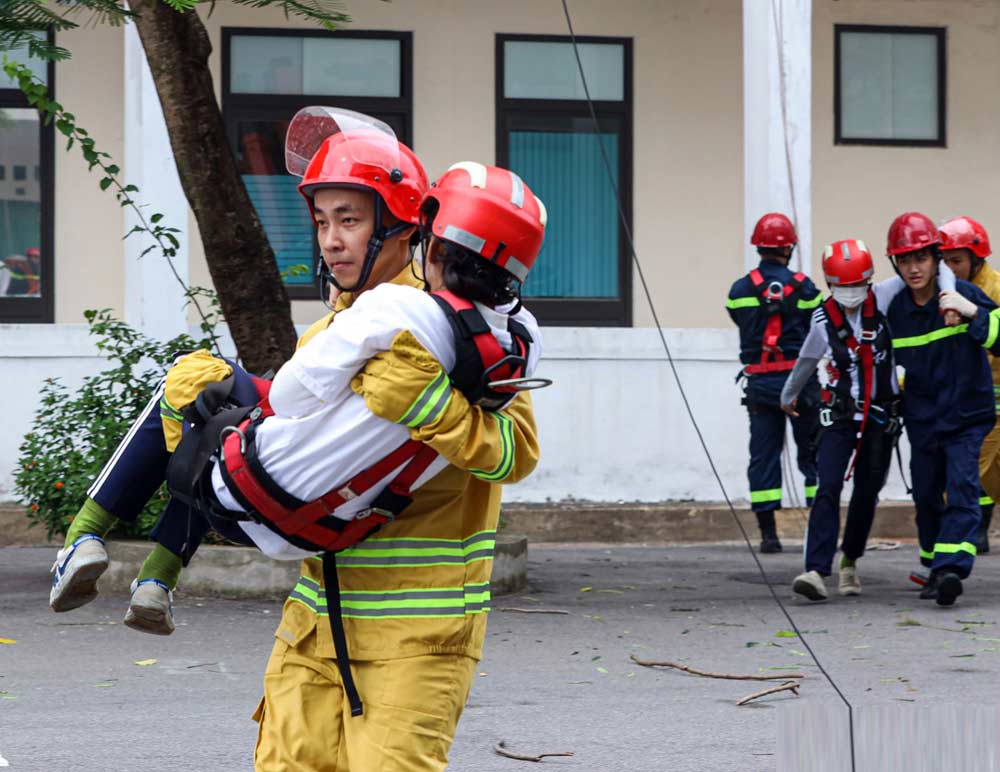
(917, 351)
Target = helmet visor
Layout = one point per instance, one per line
(365, 140)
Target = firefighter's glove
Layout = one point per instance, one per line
(185, 381)
(953, 301)
(405, 385)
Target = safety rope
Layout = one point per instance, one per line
(687, 405)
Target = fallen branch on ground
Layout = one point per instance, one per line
(707, 674)
(792, 686)
(501, 748)
(536, 610)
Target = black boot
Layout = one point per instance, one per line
(949, 587)
(769, 542)
(930, 589)
(983, 538)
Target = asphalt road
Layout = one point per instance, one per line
(72, 697)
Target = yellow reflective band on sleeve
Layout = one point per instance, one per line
(991, 336)
(810, 491)
(501, 470)
(761, 497)
(733, 303)
(985, 501)
(806, 305)
(926, 555)
(933, 335)
(951, 549)
(169, 411)
(411, 552)
(430, 404)
(472, 598)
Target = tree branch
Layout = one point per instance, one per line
(708, 674)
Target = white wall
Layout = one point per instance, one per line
(612, 427)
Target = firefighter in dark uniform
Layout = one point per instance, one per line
(772, 307)
(948, 406)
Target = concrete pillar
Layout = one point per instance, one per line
(154, 299)
(777, 124)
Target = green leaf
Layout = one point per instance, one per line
(112, 169)
(156, 218)
(106, 183)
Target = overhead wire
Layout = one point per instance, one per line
(673, 367)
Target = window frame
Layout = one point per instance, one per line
(942, 85)
(15, 310)
(578, 312)
(257, 106)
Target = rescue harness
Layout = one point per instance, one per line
(866, 358)
(487, 374)
(774, 297)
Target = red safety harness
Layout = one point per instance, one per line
(864, 353)
(773, 295)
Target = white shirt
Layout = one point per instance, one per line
(322, 434)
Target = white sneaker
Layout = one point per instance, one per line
(151, 607)
(920, 575)
(76, 571)
(810, 585)
(850, 584)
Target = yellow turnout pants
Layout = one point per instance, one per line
(989, 464)
(411, 710)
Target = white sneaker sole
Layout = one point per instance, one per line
(149, 620)
(849, 591)
(79, 585)
(807, 590)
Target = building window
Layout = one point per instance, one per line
(26, 286)
(889, 85)
(545, 133)
(268, 75)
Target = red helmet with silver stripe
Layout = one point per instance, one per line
(847, 262)
(910, 232)
(965, 233)
(489, 211)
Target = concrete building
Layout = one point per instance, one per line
(841, 113)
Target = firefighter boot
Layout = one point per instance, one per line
(769, 542)
(983, 538)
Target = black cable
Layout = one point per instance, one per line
(680, 387)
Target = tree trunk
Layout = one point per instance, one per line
(240, 258)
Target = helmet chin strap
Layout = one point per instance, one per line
(380, 234)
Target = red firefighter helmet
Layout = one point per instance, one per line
(965, 233)
(847, 262)
(911, 231)
(330, 146)
(490, 211)
(774, 230)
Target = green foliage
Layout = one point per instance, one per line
(22, 20)
(75, 432)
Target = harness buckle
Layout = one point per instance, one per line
(243, 438)
(347, 494)
(389, 516)
(775, 291)
(825, 417)
(868, 335)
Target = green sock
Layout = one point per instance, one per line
(90, 519)
(162, 564)
(846, 562)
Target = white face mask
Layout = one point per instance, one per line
(850, 297)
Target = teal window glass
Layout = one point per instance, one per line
(565, 169)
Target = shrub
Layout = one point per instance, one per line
(75, 431)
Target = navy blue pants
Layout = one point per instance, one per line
(834, 451)
(940, 465)
(138, 468)
(767, 438)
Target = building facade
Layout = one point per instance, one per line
(710, 112)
